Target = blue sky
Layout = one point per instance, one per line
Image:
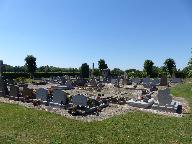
(67, 33)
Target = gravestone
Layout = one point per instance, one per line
(2, 91)
(3, 88)
(14, 93)
(146, 80)
(80, 82)
(42, 94)
(166, 103)
(125, 81)
(63, 80)
(67, 77)
(118, 81)
(125, 76)
(164, 97)
(155, 82)
(69, 84)
(100, 86)
(10, 82)
(59, 97)
(79, 100)
(101, 78)
(176, 80)
(114, 81)
(163, 81)
(136, 80)
(106, 75)
(93, 82)
(27, 93)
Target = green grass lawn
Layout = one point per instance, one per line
(183, 90)
(22, 125)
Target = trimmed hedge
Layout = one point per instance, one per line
(14, 75)
(49, 74)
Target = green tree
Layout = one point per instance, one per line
(8, 68)
(20, 69)
(135, 73)
(102, 65)
(96, 72)
(170, 66)
(180, 73)
(190, 62)
(84, 70)
(185, 71)
(157, 72)
(117, 72)
(148, 67)
(30, 62)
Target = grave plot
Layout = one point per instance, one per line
(166, 103)
(82, 105)
(143, 101)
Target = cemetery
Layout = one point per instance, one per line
(71, 104)
(95, 99)
(95, 72)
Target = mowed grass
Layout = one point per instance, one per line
(183, 90)
(22, 125)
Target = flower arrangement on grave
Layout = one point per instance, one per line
(140, 97)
